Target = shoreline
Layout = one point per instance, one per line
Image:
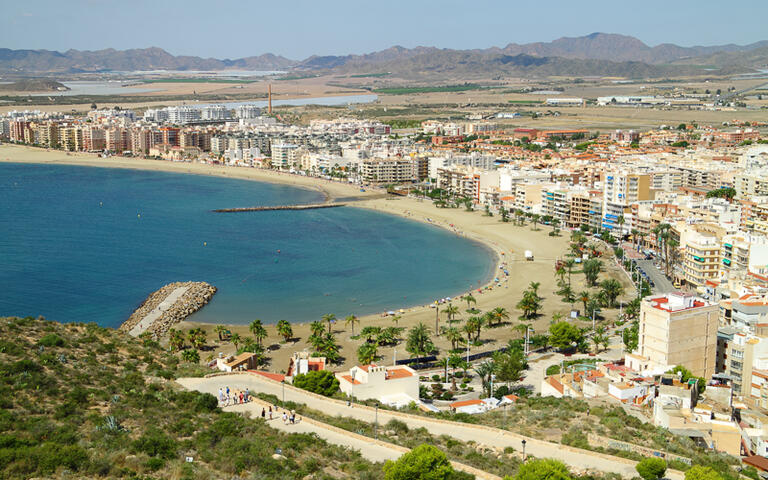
(503, 241)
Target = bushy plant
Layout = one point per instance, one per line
(323, 382)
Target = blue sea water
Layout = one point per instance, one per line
(89, 244)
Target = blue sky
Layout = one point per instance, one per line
(297, 29)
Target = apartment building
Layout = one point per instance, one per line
(701, 259)
(284, 155)
(751, 184)
(391, 170)
(71, 138)
(183, 114)
(676, 329)
(555, 202)
(585, 208)
(619, 191)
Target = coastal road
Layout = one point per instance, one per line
(578, 459)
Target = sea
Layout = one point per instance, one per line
(86, 244)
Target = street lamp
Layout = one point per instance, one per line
(376, 423)
(524, 457)
(283, 382)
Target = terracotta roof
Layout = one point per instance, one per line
(761, 463)
(350, 380)
(278, 377)
(395, 373)
(466, 403)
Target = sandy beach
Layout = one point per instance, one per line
(507, 240)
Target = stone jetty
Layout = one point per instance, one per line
(168, 306)
(280, 207)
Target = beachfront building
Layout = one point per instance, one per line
(231, 363)
(676, 329)
(303, 363)
(390, 170)
(284, 155)
(395, 386)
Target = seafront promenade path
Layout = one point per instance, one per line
(147, 321)
(578, 459)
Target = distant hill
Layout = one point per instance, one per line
(594, 54)
(34, 85)
(76, 61)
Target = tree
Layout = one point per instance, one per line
(620, 222)
(454, 336)
(535, 220)
(220, 329)
(235, 339)
(190, 355)
(396, 319)
(584, 297)
(530, 304)
(455, 361)
(197, 337)
(284, 329)
(470, 300)
(351, 319)
(611, 289)
(367, 353)
(563, 335)
(651, 468)
(175, 339)
(543, 469)
(419, 342)
(317, 328)
(630, 337)
(424, 462)
(329, 318)
(569, 264)
(698, 472)
(509, 365)
(451, 310)
(592, 268)
(599, 338)
(258, 331)
(322, 382)
(485, 370)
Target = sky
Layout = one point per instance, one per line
(300, 28)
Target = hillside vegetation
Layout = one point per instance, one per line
(92, 402)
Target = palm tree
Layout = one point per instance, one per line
(317, 328)
(535, 220)
(258, 331)
(484, 371)
(190, 355)
(469, 329)
(220, 329)
(569, 264)
(284, 329)
(329, 318)
(454, 361)
(611, 289)
(367, 353)
(599, 338)
(469, 299)
(451, 310)
(176, 339)
(500, 314)
(454, 336)
(351, 319)
(443, 363)
(396, 319)
(584, 297)
(534, 286)
(197, 337)
(235, 339)
(620, 222)
(419, 342)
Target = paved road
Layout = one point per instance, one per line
(581, 460)
(661, 283)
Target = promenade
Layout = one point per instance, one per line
(577, 459)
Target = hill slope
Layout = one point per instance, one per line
(97, 403)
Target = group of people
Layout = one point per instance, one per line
(289, 417)
(233, 397)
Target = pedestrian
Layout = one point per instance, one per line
(247, 395)
(263, 413)
(285, 418)
(270, 412)
(241, 397)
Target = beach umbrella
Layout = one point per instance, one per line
(390, 312)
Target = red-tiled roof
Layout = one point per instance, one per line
(395, 373)
(351, 380)
(760, 463)
(278, 377)
(465, 403)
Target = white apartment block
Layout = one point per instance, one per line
(391, 170)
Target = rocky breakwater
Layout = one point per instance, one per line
(168, 306)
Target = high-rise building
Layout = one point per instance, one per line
(619, 191)
(676, 329)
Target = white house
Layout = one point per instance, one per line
(394, 386)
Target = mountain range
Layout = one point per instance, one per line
(594, 54)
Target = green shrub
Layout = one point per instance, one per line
(651, 468)
(154, 464)
(323, 382)
(155, 444)
(51, 340)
